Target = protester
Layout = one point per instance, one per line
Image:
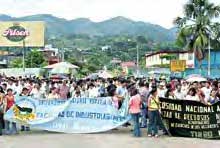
(192, 95)
(135, 110)
(25, 93)
(113, 94)
(153, 113)
(213, 98)
(179, 95)
(63, 90)
(36, 92)
(9, 102)
(53, 94)
(162, 90)
(1, 110)
(121, 91)
(144, 92)
(207, 90)
(118, 89)
(170, 94)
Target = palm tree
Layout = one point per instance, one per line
(198, 26)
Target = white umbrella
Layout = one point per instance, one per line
(61, 65)
(105, 75)
(196, 78)
(60, 70)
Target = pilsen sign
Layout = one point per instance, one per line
(16, 33)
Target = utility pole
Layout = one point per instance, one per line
(23, 56)
(209, 59)
(137, 72)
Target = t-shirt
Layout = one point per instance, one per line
(53, 96)
(192, 98)
(207, 92)
(93, 92)
(121, 91)
(179, 95)
(161, 93)
(36, 94)
(63, 91)
(135, 104)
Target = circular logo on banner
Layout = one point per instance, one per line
(24, 110)
(16, 33)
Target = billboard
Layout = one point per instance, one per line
(18, 34)
(178, 65)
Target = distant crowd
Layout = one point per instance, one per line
(143, 95)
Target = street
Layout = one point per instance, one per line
(112, 139)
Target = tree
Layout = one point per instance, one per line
(35, 59)
(197, 26)
(16, 63)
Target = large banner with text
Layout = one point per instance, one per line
(191, 119)
(77, 115)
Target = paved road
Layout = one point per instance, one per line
(114, 139)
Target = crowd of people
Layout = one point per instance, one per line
(144, 94)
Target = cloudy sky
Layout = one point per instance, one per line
(160, 12)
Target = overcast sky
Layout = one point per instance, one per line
(160, 12)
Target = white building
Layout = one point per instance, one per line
(153, 59)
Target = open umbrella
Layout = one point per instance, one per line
(195, 78)
(61, 65)
(105, 75)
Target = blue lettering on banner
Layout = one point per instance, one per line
(76, 115)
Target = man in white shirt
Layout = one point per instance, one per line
(178, 94)
(162, 90)
(11, 85)
(184, 88)
(92, 91)
(207, 90)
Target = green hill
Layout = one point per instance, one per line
(115, 26)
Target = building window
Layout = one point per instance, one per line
(190, 57)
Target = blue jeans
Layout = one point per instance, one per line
(10, 129)
(25, 128)
(161, 125)
(153, 122)
(143, 117)
(1, 123)
(137, 131)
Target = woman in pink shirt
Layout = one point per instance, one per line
(135, 110)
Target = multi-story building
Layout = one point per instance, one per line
(193, 66)
(51, 54)
(155, 59)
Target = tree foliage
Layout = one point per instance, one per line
(33, 59)
(197, 26)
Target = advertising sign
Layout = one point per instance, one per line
(178, 65)
(18, 34)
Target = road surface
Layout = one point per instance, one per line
(121, 138)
